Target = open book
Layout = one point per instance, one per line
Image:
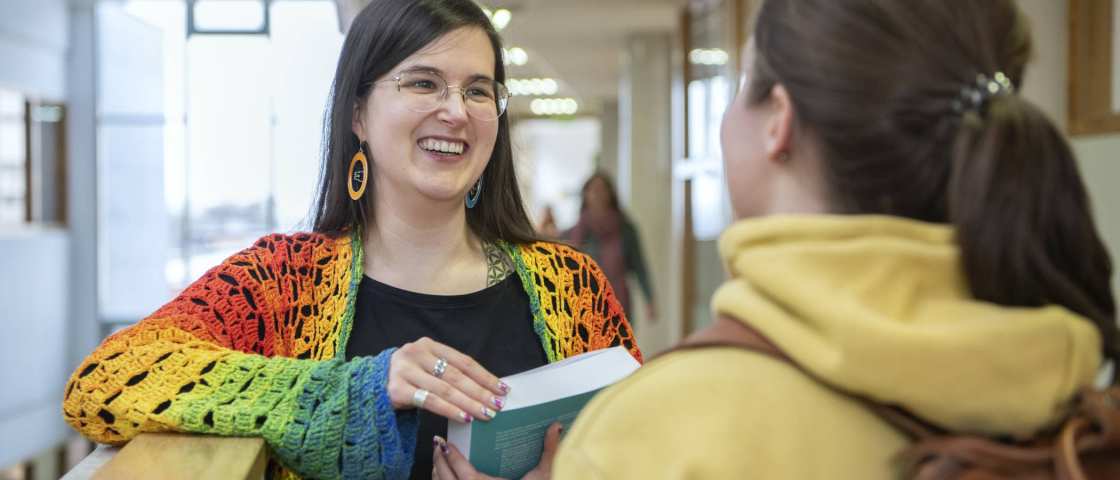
(510, 445)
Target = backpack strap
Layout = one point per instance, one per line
(726, 331)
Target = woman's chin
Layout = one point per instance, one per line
(444, 195)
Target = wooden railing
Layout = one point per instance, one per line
(180, 456)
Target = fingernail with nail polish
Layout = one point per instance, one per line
(498, 402)
(466, 418)
(486, 412)
(503, 387)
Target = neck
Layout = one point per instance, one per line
(799, 188)
(423, 247)
(795, 197)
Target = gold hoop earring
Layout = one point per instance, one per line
(357, 178)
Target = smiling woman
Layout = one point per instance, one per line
(429, 145)
(346, 348)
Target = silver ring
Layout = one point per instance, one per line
(419, 398)
(441, 366)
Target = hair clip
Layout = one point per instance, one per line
(973, 98)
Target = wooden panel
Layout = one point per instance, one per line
(687, 240)
(1090, 68)
(179, 456)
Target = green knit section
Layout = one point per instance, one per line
(526, 276)
(356, 273)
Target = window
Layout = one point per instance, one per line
(14, 201)
(237, 127)
(710, 89)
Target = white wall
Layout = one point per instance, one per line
(608, 128)
(33, 47)
(34, 360)
(645, 180)
(1046, 84)
(555, 157)
(33, 366)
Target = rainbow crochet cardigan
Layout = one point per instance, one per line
(256, 347)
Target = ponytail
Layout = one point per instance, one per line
(898, 99)
(1023, 218)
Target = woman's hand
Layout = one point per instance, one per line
(451, 465)
(430, 375)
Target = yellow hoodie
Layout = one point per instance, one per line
(874, 305)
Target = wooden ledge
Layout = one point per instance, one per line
(181, 456)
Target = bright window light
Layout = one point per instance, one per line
(229, 15)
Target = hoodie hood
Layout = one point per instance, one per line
(879, 306)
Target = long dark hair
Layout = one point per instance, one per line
(384, 34)
(875, 83)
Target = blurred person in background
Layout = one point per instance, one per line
(348, 348)
(547, 227)
(606, 233)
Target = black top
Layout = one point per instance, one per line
(494, 326)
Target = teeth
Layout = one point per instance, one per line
(442, 146)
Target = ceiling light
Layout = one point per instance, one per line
(708, 56)
(515, 56)
(501, 18)
(554, 106)
(532, 86)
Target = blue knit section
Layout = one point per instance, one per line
(397, 430)
(361, 450)
(345, 425)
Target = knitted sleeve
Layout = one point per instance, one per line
(574, 306)
(246, 351)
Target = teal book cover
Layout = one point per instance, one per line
(510, 444)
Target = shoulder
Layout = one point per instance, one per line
(297, 241)
(722, 413)
(556, 255)
(293, 246)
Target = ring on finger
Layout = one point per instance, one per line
(440, 367)
(419, 397)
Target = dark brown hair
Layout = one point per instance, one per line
(875, 82)
(612, 194)
(383, 35)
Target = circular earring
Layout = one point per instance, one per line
(359, 167)
(474, 194)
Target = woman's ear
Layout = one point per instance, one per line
(779, 127)
(358, 121)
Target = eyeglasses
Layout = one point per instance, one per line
(425, 92)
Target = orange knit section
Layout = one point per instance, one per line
(575, 310)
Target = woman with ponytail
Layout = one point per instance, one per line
(913, 233)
